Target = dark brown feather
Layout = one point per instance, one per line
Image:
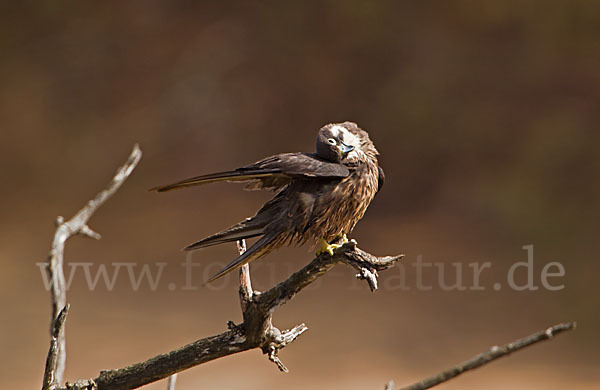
(270, 173)
(380, 178)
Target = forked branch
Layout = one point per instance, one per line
(55, 363)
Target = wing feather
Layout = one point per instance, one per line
(270, 173)
(236, 175)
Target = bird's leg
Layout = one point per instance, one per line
(341, 239)
(325, 246)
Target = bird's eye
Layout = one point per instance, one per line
(331, 141)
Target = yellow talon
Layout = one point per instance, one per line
(324, 246)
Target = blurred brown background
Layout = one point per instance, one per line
(486, 117)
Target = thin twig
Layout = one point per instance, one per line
(171, 382)
(50, 381)
(64, 230)
(278, 340)
(492, 354)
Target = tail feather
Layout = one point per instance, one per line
(260, 248)
(251, 227)
(236, 175)
(228, 235)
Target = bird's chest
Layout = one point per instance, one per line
(344, 203)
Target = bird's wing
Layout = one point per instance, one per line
(269, 173)
(380, 178)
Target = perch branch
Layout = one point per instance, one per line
(256, 330)
(64, 230)
(492, 354)
(246, 292)
(272, 339)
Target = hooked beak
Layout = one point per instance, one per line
(346, 148)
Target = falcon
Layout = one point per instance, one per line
(319, 197)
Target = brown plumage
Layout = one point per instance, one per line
(319, 196)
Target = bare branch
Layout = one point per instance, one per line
(256, 330)
(349, 254)
(65, 230)
(492, 354)
(50, 381)
(273, 340)
(246, 292)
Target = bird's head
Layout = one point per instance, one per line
(337, 142)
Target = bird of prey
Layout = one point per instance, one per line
(319, 197)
